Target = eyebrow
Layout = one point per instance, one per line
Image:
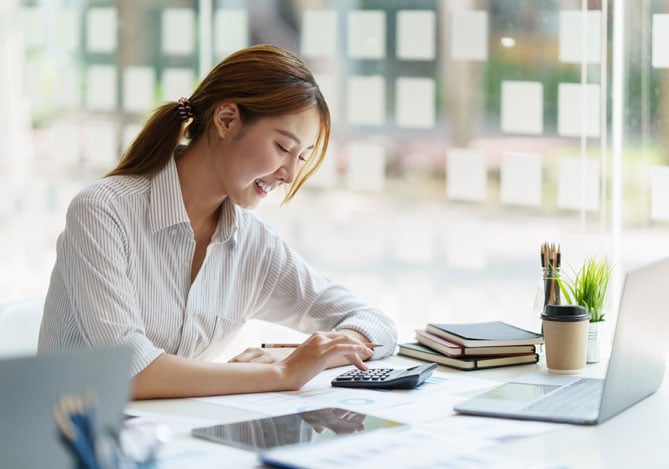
(292, 136)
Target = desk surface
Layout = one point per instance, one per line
(637, 435)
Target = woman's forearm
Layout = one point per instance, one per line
(171, 376)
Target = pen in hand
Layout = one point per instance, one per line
(297, 345)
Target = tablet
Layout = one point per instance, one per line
(292, 429)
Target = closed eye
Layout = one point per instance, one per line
(282, 149)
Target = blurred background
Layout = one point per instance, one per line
(466, 134)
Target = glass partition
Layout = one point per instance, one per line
(466, 134)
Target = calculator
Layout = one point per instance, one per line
(388, 378)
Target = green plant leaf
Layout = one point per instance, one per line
(587, 287)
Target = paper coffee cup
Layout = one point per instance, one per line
(565, 336)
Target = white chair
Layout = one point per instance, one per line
(19, 327)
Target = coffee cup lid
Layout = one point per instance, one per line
(565, 313)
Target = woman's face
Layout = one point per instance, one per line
(259, 157)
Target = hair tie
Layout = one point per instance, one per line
(185, 111)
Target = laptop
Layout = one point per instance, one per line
(31, 386)
(635, 369)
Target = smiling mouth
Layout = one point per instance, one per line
(266, 188)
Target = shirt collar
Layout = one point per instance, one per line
(167, 207)
(166, 204)
(227, 223)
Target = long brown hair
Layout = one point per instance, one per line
(263, 80)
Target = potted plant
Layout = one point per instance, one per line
(587, 288)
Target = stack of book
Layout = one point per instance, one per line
(475, 345)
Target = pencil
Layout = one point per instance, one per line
(297, 345)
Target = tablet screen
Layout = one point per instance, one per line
(291, 429)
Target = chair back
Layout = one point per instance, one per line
(19, 327)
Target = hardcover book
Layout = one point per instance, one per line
(452, 349)
(485, 334)
(421, 352)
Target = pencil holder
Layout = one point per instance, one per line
(548, 293)
(551, 276)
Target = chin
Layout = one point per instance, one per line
(247, 204)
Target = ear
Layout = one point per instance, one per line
(225, 118)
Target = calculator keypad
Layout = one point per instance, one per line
(385, 377)
(373, 374)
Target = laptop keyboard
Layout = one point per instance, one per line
(578, 399)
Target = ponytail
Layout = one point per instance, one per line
(153, 147)
(263, 80)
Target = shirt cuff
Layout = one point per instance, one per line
(143, 352)
(377, 330)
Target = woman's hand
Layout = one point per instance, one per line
(262, 355)
(274, 355)
(323, 350)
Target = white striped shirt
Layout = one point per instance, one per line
(123, 267)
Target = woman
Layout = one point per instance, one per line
(164, 256)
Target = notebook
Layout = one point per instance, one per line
(635, 369)
(30, 386)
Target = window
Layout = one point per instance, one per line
(466, 134)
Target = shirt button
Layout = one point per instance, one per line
(173, 231)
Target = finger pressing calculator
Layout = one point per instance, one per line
(389, 378)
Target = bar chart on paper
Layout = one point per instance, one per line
(402, 447)
(434, 398)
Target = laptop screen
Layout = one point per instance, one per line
(32, 387)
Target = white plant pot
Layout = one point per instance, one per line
(594, 342)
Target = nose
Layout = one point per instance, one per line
(286, 173)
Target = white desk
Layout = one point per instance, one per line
(636, 437)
